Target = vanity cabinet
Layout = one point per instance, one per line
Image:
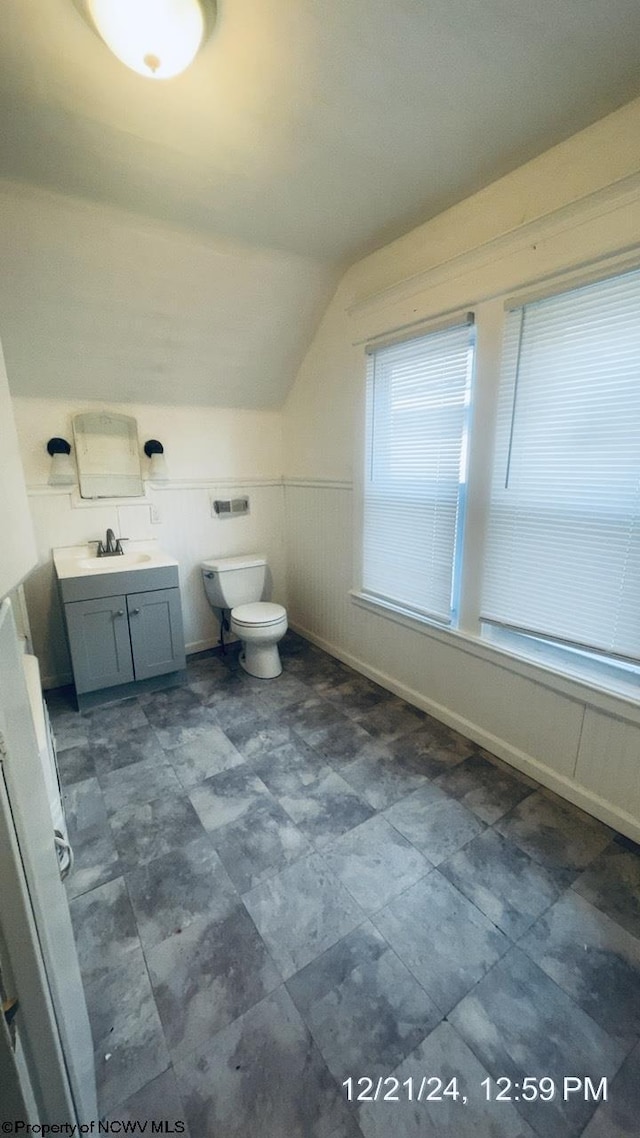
(115, 640)
(123, 628)
(99, 643)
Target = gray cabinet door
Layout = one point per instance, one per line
(157, 639)
(99, 643)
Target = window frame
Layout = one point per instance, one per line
(573, 656)
(359, 593)
(557, 668)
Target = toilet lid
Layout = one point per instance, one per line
(258, 612)
(231, 564)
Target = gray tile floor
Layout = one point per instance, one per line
(282, 885)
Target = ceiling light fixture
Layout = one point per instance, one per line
(156, 38)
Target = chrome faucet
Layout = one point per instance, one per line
(111, 546)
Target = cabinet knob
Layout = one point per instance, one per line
(134, 612)
(120, 612)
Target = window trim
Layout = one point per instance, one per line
(591, 272)
(420, 328)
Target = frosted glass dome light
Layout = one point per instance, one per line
(156, 38)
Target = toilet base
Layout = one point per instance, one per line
(261, 660)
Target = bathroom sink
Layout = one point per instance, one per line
(112, 564)
(142, 559)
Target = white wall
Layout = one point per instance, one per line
(575, 205)
(210, 452)
(18, 553)
(98, 300)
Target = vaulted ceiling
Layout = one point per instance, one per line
(307, 133)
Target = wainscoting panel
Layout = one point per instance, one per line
(589, 757)
(319, 558)
(609, 760)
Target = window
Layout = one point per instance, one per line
(417, 409)
(563, 546)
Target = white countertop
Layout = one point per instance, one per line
(81, 560)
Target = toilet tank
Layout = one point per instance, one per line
(232, 581)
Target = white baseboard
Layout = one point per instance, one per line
(565, 787)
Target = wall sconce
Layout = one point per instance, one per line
(158, 464)
(156, 38)
(62, 471)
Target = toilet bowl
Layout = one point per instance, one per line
(260, 626)
(236, 584)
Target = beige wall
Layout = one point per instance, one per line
(211, 452)
(199, 442)
(577, 205)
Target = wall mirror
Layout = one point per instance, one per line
(108, 455)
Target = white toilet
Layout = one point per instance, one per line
(237, 583)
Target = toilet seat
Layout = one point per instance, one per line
(258, 614)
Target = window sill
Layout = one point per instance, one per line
(599, 697)
(402, 615)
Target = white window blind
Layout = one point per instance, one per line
(417, 402)
(563, 550)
